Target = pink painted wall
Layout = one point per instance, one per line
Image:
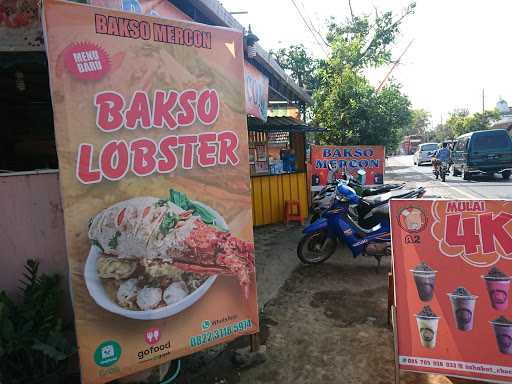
(31, 226)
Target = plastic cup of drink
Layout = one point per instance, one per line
(425, 283)
(498, 289)
(503, 334)
(427, 328)
(463, 309)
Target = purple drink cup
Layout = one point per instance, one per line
(503, 332)
(498, 289)
(463, 309)
(425, 283)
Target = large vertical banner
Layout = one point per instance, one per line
(153, 155)
(338, 159)
(452, 263)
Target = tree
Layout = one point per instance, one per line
(360, 43)
(345, 102)
(299, 64)
(420, 122)
(461, 121)
(443, 132)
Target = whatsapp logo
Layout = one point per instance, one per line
(107, 353)
(206, 324)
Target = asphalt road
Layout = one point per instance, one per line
(401, 168)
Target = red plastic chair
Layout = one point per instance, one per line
(292, 212)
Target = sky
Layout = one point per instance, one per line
(460, 47)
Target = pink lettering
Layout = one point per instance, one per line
(186, 116)
(208, 106)
(144, 153)
(114, 160)
(206, 150)
(228, 147)
(162, 107)
(109, 106)
(139, 111)
(84, 173)
(187, 143)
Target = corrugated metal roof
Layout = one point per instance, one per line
(280, 124)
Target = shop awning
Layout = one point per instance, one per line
(280, 124)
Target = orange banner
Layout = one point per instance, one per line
(256, 92)
(337, 159)
(452, 263)
(158, 8)
(153, 156)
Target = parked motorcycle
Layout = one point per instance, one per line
(323, 199)
(361, 223)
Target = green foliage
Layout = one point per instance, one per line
(420, 123)
(461, 121)
(355, 114)
(32, 343)
(345, 102)
(299, 64)
(363, 42)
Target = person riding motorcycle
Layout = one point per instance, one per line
(442, 155)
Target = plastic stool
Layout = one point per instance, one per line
(289, 207)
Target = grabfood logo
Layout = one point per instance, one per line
(152, 337)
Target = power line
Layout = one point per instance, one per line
(309, 28)
(313, 25)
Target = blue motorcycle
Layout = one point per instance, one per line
(360, 223)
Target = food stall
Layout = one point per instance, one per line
(277, 154)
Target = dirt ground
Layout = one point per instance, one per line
(326, 324)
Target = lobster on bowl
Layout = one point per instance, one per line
(152, 258)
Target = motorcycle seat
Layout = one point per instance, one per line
(382, 198)
(381, 212)
(370, 191)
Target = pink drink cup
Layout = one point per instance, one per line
(498, 289)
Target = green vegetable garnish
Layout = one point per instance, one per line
(169, 222)
(97, 243)
(113, 243)
(182, 201)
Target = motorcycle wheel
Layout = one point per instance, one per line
(315, 248)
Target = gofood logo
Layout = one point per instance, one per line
(152, 337)
(479, 232)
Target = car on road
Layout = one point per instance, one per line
(483, 152)
(449, 143)
(424, 153)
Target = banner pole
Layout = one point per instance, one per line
(391, 295)
(395, 344)
(255, 342)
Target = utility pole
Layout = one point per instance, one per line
(483, 101)
(393, 67)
